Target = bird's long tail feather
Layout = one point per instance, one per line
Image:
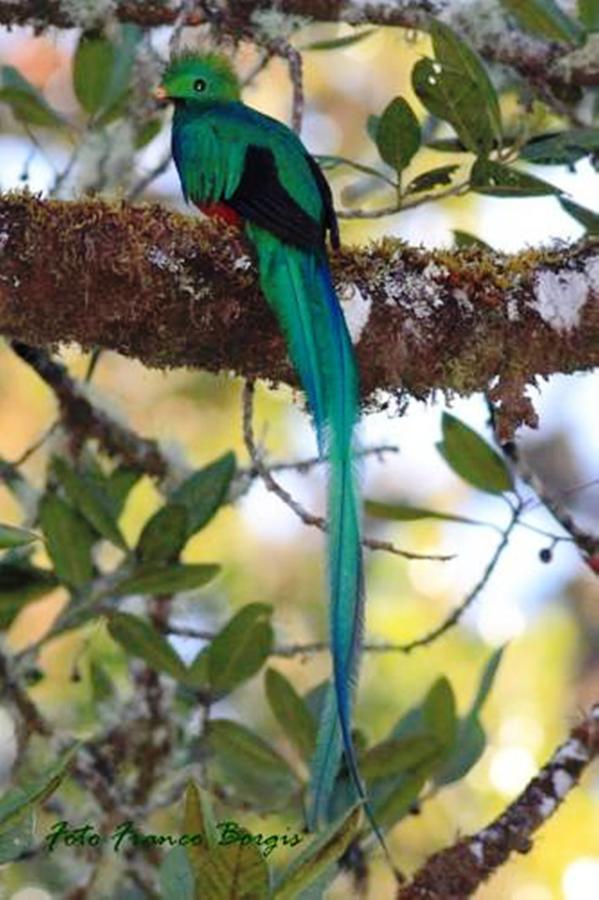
(299, 288)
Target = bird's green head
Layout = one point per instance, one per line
(199, 77)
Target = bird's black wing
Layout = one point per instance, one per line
(261, 198)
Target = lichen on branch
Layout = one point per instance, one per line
(172, 290)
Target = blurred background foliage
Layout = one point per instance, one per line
(544, 613)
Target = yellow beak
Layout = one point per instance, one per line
(160, 95)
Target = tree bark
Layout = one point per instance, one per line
(171, 290)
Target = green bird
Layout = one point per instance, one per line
(245, 167)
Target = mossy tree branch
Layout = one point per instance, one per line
(536, 60)
(172, 291)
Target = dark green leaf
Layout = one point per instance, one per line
(18, 838)
(69, 541)
(404, 512)
(470, 742)
(431, 179)
(27, 103)
(398, 134)
(588, 13)
(324, 851)
(439, 713)
(199, 815)
(556, 149)
(586, 217)
(465, 239)
(398, 801)
(330, 162)
(92, 505)
(499, 180)
(453, 52)
(160, 579)
(233, 869)
(446, 145)
(197, 673)
(20, 583)
(240, 649)
(18, 800)
(164, 534)
(205, 491)
(251, 765)
(138, 638)
(335, 43)
(372, 124)
(472, 458)
(399, 755)
(11, 536)
(456, 88)
(546, 19)
(291, 712)
(100, 681)
(118, 485)
(130, 36)
(176, 876)
(92, 68)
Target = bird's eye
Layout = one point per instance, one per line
(199, 85)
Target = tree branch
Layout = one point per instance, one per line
(175, 291)
(536, 60)
(456, 873)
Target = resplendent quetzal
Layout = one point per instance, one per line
(236, 163)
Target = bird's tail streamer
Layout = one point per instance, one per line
(298, 286)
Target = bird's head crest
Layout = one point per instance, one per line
(202, 77)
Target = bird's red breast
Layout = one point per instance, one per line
(220, 211)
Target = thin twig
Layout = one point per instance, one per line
(452, 191)
(303, 514)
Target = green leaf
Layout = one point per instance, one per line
(588, 13)
(464, 239)
(250, 764)
(240, 649)
(69, 541)
(291, 712)
(405, 512)
(446, 145)
(331, 162)
(116, 95)
(160, 579)
(118, 485)
(335, 43)
(18, 838)
(85, 497)
(586, 217)
(27, 103)
(546, 19)
(431, 179)
(471, 738)
(439, 713)
(452, 51)
(199, 815)
(499, 180)
(372, 124)
(20, 583)
(234, 870)
(18, 800)
(399, 755)
(11, 536)
(472, 458)
(205, 491)
(92, 68)
(324, 851)
(164, 534)
(456, 88)
(176, 876)
(397, 802)
(138, 638)
(101, 684)
(561, 148)
(398, 134)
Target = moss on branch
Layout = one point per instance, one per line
(172, 290)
